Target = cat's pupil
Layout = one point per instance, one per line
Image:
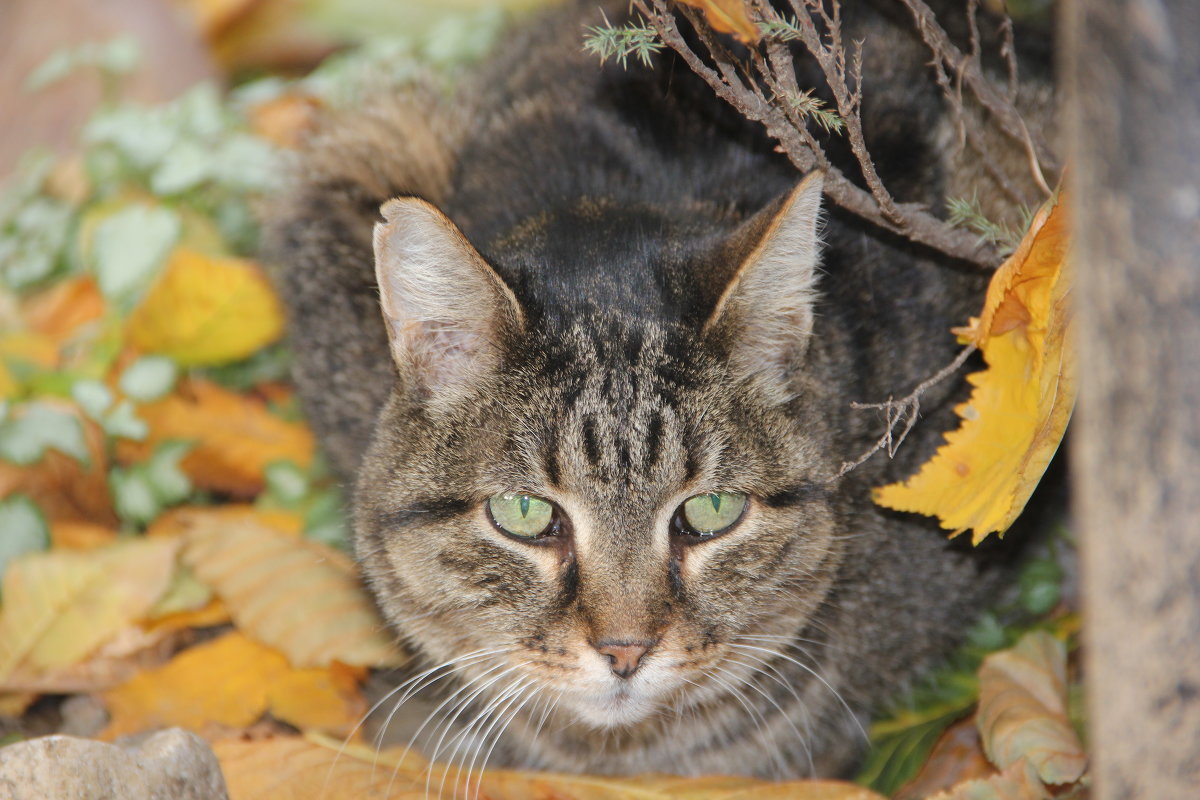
(524, 506)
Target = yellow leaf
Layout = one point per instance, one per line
(1023, 709)
(236, 437)
(204, 311)
(60, 606)
(1016, 416)
(230, 681)
(294, 594)
(1018, 782)
(728, 16)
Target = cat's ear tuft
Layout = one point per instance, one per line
(766, 311)
(445, 309)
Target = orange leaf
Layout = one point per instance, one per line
(184, 519)
(957, 757)
(728, 16)
(291, 593)
(204, 311)
(230, 681)
(236, 437)
(1015, 418)
(1023, 709)
(80, 535)
(60, 311)
(285, 120)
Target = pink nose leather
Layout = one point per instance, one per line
(623, 657)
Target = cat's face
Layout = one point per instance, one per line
(604, 513)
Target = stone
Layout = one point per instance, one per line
(173, 764)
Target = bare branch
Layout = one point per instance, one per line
(905, 410)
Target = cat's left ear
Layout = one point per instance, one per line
(766, 311)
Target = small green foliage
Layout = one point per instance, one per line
(25, 437)
(313, 495)
(814, 108)
(141, 492)
(783, 30)
(149, 378)
(631, 39)
(113, 59)
(23, 529)
(130, 246)
(969, 214)
(34, 228)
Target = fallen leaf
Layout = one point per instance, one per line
(230, 681)
(130, 651)
(728, 16)
(61, 606)
(59, 312)
(235, 437)
(23, 348)
(184, 519)
(204, 311)
(324, 699)
(74, 535)
(1016, 416)
(285, 120)
(295, 768)
(956, 757)
(1023, 709)
(63, 488)
(298, 596)
(1018, 782)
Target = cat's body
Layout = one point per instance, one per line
(623, 323)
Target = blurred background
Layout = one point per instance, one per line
(176, 43)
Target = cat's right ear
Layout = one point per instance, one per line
(445, 309)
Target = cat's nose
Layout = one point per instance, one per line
(624, 656)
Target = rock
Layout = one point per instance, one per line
(169, 765)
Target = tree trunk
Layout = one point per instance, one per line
(1133, 73)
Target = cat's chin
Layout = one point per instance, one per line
(617, 707)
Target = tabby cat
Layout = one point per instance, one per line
(589, 371)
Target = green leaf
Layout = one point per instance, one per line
(287, 483)
(149, 378)
(24, 438)
(123, 423)
(133, 495)
(130, 246)
(168, 481)
(184, 167)
(92, 396)
(1041, 586)
(23, 529)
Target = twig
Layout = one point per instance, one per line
(905, 410)
(916, 224)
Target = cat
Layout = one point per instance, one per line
(585, 346)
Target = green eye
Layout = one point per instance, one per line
(706, 514)
(525, 516)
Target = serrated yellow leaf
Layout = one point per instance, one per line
(60, 606)
(293, 594)
(983, 476)
(204, 311)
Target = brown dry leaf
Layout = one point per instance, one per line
(236, 437)
(293, 594)
(61, 606)
(1023, 709)
(60, 311)
(728, 16)
(64, 489)
(1018, 782)
(204, 311)
(306, 769)
(231, 681)
(1015, 418)
(957, 757)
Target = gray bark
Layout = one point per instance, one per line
(1133, 71)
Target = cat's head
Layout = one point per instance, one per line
(598, 507)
